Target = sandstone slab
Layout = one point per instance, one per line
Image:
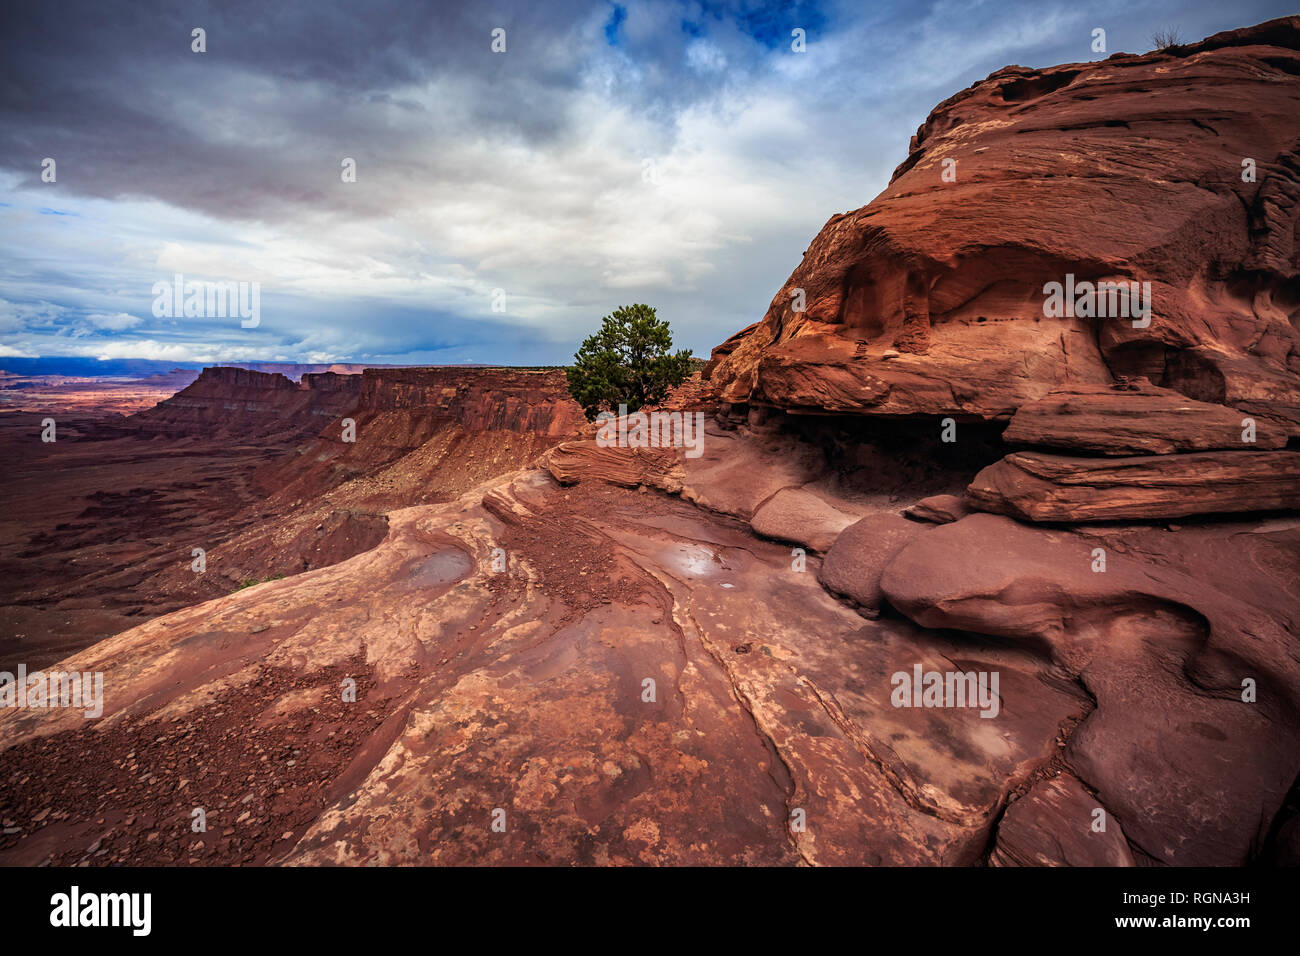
(1165, 630)
(800, 516)
(1135, 418)
(1036, 486)
(938, 509)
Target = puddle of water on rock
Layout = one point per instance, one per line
(439, 569)
(693, 560)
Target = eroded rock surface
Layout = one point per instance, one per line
(1058, 823)
(1170, 632)
(630, 676)
(930, 299)
(525, 690)
(564, 653)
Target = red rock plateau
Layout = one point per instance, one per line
(949, 582)
(103, 396)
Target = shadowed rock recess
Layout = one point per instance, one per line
(949, 582)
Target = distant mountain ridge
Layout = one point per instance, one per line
(143, 368)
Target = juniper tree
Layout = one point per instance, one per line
(628, 361)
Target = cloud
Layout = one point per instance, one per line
(198, 352)
(705, 57)
(524, 171)
(114, 323)
(38, 314)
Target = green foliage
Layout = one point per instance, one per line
(251, 582)
(627, 361)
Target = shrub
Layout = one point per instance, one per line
(1168, 39)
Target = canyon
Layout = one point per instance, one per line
(478, 634)
(250, 467)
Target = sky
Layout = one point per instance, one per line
(681, 154)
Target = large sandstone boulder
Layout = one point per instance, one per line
(859, 556)
(583, 459)
(735, 473)
(931, 299)
(1036, 486)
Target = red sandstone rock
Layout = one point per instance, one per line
(854, 564)
(575, 461)
(1135, 418)
(734, 474)
(1056, 824)
(1040, 487)
(507, 636)
(520, 686)
(726, 348)
(801, 516)
(1162, 633)
(938, 509)
(1129, 168)
(502, 641)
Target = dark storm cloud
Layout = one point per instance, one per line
(115, 94)
(523, 171)
(259, 122)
